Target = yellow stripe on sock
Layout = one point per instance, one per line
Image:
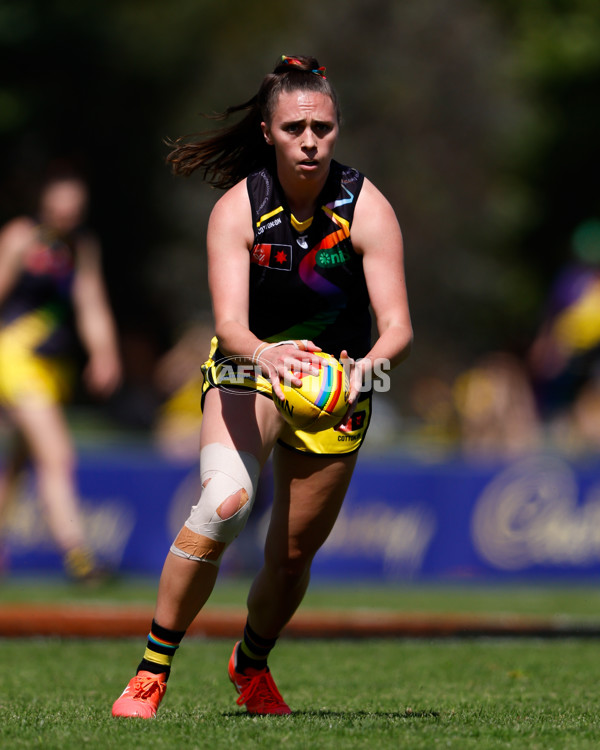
(249, 653)
(163, 659)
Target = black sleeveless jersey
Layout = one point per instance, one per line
(306, 281)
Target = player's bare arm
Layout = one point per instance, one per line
(15, 238)
(376, 235)
(94, 320)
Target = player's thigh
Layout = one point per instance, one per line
(45, 431)
(309, 492)
(244, 421)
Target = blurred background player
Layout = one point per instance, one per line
(51, 289)
(564, 358)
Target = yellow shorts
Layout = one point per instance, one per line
(224, 374)
(26, 376)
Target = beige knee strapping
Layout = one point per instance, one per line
(229, 479)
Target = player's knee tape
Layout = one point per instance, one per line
(229, 479)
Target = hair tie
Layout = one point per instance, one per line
(287, 60)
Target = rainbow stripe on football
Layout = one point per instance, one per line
(321, 401)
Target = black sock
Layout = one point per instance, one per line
(253, 650)
(160, 650)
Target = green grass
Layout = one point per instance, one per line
(471, 693)
(484, 694)
(579, 601)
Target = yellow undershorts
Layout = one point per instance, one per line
(225, 375)
(28, 377)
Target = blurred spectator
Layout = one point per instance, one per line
(433, 403)
(135, 405)
(564, 358)
(51, 288)
(488, 411)
(179, 379)
(496, 408)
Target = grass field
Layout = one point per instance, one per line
(568, 600)
(383, 694)
(392, 693)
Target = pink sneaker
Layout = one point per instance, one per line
(142, 696)
(257, 689)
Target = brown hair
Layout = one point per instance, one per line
(230, 154)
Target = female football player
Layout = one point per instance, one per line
(299, 248)
(51, 287)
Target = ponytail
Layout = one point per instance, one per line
(229, 154)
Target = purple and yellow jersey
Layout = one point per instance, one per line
(39, 305)
(306, 280)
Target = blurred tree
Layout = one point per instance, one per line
(555, 64)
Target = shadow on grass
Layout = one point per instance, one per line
(408, 714)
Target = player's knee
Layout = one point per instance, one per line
(229, 481)
(232, 504)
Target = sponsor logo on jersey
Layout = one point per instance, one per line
(273, 256)
(329, 257)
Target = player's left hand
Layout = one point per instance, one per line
(286, 361)
(102, 374)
